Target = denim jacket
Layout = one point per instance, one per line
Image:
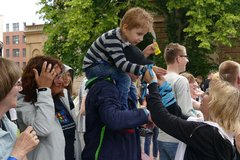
(7, 138)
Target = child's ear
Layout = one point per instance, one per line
(125, 27)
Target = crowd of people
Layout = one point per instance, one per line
(186, 117)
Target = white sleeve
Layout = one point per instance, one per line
(183, 96)
(41, 115)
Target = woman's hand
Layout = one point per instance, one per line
(148, 78)
(47, 75)
(25, 143)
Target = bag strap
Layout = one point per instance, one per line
(93, 80)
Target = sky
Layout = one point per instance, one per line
(14, 11)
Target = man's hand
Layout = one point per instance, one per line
(159, 71)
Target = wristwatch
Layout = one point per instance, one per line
(41, 89)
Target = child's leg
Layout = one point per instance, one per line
(133, 95)
(123, 83)
(97, 71)
(122, 79)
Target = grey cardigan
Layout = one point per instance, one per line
(41, 116)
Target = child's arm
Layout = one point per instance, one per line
(119, 58)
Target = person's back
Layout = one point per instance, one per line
(175, 56)
(109, 127)
(181, 91)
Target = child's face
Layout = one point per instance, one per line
(67, 78)
(135, 35)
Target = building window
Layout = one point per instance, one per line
(15, 39)
(24, 39)
(16, 52)
(7, 27)
(7, 40)
(7, 53)
(24, 52)
(15, 27)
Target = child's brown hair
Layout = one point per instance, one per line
(137, 18)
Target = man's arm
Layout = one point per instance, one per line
(111, 113)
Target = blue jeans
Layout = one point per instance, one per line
(133, 95)
(155, 143)
(167, 150)
(122, 79)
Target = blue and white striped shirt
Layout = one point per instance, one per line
(109, 48)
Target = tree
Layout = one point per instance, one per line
(73, 25)
(200, 25)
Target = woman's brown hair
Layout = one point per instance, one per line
(28, 78)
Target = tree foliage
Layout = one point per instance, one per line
(73, 25)
(200, 25)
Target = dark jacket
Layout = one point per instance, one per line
(204, 142)
(111, 133)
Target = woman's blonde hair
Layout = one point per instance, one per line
(224, 107)
(9, 75)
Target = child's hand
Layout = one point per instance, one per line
(148, 50)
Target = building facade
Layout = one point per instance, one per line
(14, 44)
(35, 40)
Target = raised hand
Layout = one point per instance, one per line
(148, 50)
(47, 75)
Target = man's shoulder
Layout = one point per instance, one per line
(175, 78)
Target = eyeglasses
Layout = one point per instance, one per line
(19, 85)
(186, 56)
(63, 74)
